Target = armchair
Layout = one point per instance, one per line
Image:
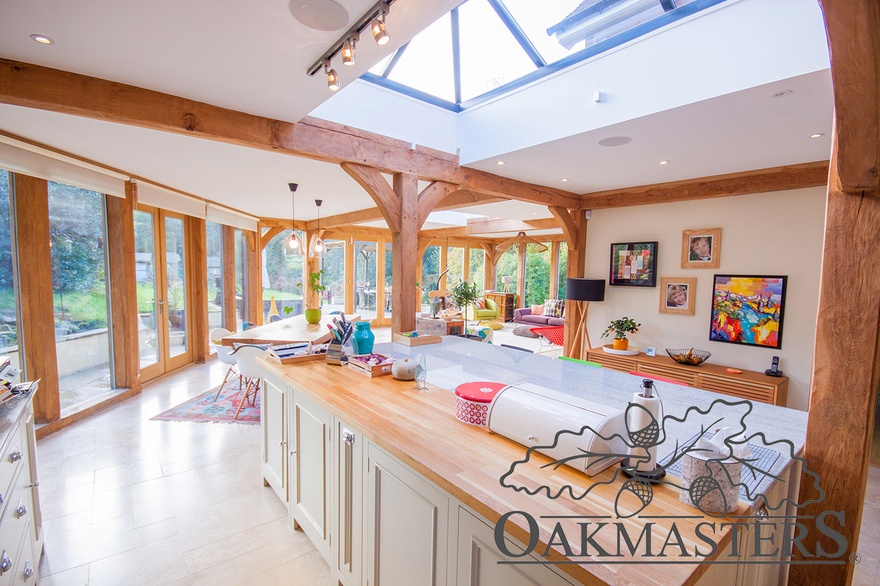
(491, 312)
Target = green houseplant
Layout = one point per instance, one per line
(464, 295)
(620, 328)
(312, 300)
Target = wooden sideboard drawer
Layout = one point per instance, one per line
(738, 388)
(625, 363)
(687, 378)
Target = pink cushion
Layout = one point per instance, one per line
(538, 309)
(480, 303)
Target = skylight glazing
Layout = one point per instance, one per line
(487, 47)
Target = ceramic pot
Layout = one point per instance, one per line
(363, 338)
(621, 343)
(404, 369)
(313, 316)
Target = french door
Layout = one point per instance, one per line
(163, 295)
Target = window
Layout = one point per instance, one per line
(214, 250)
(8, 278)
(284, 268)
(333, 265)
(508, 266)
(430, 273)
(537, 275)
(365, 279)
(455, 265)
(563, 269)
(77, 235)
(241, 279)
(476, 266)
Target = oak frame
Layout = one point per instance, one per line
(687, 238)
(690, 284)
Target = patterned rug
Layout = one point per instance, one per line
(203, 408)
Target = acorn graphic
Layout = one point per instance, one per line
(646, 437)
(704, 487)
(634, 487)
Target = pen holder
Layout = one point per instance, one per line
(334, 353)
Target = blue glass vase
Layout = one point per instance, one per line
(363, 338)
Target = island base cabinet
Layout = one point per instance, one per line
(273, 414)
(311, 428)
(348, 500)
(479, 559)
(406, 532)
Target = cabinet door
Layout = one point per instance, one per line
(274, 441)
(406, 525)
(349, 500)
(478, 559)
(310, 474)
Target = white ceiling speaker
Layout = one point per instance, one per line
(321, 15)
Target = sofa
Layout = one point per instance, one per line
(524, 316)
(490, 312)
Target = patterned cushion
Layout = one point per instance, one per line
(480, 303)
(538, 309)
(554, 307)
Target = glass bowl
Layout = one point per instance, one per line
(688, 356)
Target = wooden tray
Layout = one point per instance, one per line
(370, 371)
(415, 341)
(303, 358)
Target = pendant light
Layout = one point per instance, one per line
(292, 243)
(318, 245)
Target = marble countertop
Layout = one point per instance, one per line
(10, 413)
(458, 360)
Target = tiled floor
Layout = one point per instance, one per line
(131, 501)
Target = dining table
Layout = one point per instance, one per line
(288, 331)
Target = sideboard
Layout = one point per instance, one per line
(748, 384)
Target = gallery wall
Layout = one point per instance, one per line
(777, 233)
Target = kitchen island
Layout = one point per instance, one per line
(393, 489)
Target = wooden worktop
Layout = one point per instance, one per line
(419, 429)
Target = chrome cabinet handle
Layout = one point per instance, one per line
(15, 456)
(31, 485)
(282, 443)
(28, 571)
(5, 563)
(347, 436)
(21, 509)
(292, 452)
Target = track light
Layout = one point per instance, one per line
(332, 77)
(348, 57)
(378, 28)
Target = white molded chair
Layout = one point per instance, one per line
(224, 355)
(249, 368)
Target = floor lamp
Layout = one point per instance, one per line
(578, 294)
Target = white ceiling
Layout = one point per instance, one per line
(251, 56)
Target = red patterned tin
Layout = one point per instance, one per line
(472, 401)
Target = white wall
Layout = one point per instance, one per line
(777, 233)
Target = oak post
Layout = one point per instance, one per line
(254, 270)
(123, 289)
(35, 287)
(198, 275)
(230, 296)
(405, 243)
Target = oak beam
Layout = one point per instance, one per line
(383, 194)
(496, 225)
(759, 181)
(198, 274)
(405, 242)
(431, 196)
(123, 289)
(34, 86)
(854, 45)
(36, 300)
(268, 235)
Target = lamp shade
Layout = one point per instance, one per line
(585, 289)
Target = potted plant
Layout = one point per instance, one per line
(314, 296)
(621, 327)
(464, 295)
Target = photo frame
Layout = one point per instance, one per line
(701, 249)
(678, 295)
(634, 264)
(748, 310)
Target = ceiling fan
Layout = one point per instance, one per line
(522, 240)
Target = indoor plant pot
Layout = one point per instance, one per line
(313, 316)
(621, 343)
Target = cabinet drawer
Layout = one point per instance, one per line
(11, 462)
(613, 361)
(14, 527)
(738, 388)
(26, 566)
(687, 378)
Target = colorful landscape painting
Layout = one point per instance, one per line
(748, 310)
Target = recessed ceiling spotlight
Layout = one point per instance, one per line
(615, 141)
(781, 94)
(564, 179)
(43, 39)
(500, 163)
(664, 162)
(817, 135)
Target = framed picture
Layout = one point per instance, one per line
(748, 310)
(634, 264)
(678, 295)
(701, 249)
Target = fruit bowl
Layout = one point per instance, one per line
(688, 356)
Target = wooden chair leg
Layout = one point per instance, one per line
(243, 399)
(228, 372)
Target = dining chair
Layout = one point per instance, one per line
(224, 355)
(251, 371)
